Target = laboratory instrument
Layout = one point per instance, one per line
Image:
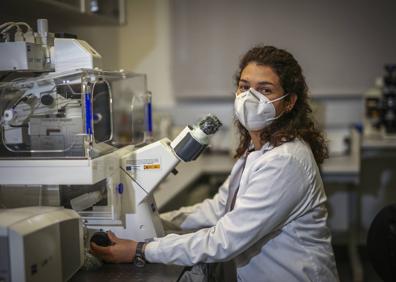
(26, 51)
(380, 105)
(77, 136)
(40, 244)
(388, 107)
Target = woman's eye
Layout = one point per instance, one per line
(264, 91)
(243, 88)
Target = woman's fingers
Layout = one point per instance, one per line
(104, 253)
(99, 249)
(113, 238)
(120, 251)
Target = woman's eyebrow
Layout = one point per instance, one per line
(265, 83)
(261, 83)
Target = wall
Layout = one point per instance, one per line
(141, 45)
(341, 45)
(145, 47)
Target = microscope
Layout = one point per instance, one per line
(380, 105)
(388, 105)
(79, 139)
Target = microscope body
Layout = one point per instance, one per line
(141, 171)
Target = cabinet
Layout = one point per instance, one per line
(111, 11)
(90, 12)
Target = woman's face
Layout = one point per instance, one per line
(266, 81)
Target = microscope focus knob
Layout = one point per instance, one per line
(47, 100)
(101, 239)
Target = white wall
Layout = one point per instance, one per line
(145, 47)
(341, 45)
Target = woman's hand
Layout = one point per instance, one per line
(121, 250)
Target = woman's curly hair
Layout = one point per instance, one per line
(297, 123)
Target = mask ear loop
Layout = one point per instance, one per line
(277, 99)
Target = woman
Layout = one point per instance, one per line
(269, 216)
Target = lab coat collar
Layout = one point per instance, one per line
(250, 151)
(266, 147)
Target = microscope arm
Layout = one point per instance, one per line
(149, 165)
(146, 167)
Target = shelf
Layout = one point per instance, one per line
(66, 12)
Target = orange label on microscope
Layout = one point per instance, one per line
(143, 164)
(152, 166)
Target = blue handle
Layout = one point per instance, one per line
(88, 114)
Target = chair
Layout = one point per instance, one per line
(381, 243)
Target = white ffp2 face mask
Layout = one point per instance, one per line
(254, 110)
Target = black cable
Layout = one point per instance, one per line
(21, 125)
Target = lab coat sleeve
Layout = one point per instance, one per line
(275, 192)
(204, 214)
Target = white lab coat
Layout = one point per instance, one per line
(277, 229)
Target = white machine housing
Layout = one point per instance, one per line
(40, 244)
(41, 52)
(26, 51)
(22, 56)
(72, 54)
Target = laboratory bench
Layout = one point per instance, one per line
(377, 141)
(339, 169)
(128, 272)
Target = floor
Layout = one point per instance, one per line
(344, 267)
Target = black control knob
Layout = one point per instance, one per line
(101, 239)
(47, 100)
